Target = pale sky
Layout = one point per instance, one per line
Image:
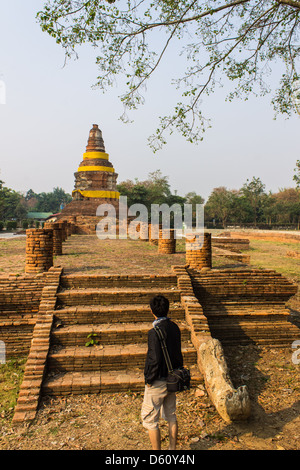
(50, 109)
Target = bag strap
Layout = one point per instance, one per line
(164, 348)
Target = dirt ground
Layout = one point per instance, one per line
(112, 421)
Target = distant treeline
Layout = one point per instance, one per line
(250, 205)
(15, 206)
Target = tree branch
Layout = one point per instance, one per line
(291, 3)
(182, 20)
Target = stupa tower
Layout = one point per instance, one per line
(95, 182)
(95, 177)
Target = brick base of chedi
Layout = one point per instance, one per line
(95, 184)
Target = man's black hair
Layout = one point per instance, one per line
(159, 306)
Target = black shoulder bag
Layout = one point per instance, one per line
(179, 379)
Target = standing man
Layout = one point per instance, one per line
(157, 400)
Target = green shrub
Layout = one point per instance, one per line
(11, 225)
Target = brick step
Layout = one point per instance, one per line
(101, 381)
(262, 282)
(284, 327)
(222, 252)
(109, 357)
(114, 333)
(258, 316)
(73, 281)
(244, 309)
(76, 297)
(242, 303)
(221, 294)
(241, 279)
(263, 321)
(233, 293)
(232, 310)
(270, 337)
(15, 321)
(114, 313)
(252, 273)
(259, 339)
(267, 342)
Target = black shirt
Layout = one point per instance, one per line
(155, 366)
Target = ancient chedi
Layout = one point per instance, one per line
(95, 184)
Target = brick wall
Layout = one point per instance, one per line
(20, 297)
(20, 302)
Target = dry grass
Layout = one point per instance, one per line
(12, 255)
(11, 375)
(273, 255)
(86, 253)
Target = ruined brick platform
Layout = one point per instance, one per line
(116, 310)
(49, 317)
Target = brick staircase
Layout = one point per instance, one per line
(115, 309)
(246, 305)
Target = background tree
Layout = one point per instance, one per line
(287, 206)
(270, 208)
(193, 198)
(10, 204)
(237, 39)
(297, 174)
(158, 187)
(220, 205)
(14, 205)
(47, 202)
(135, 191)
(154, 190)
(253, 192)
(30, 200)
(240, 209)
